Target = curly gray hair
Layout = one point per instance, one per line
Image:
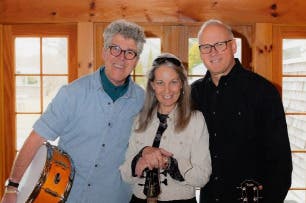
(128, 30)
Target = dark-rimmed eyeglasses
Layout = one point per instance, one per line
(116, 51)
(162, 60)
(218, 46)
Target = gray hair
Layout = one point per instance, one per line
(128, 30)
(215, 22)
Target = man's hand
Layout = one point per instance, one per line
(9, 196)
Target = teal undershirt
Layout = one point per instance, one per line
(113, 91)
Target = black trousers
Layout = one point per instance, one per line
(138, 200)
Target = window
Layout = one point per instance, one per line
(151, 50)
(294, 100)
(41, 68)
(37, 59)
(289, 73)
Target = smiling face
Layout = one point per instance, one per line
(167, 87)
(117, 68)
(218, 62)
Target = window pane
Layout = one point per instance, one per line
(27, 94)
(54, 54)
(294, 94)
(196, 67)
(195, 64)
(297, 131)
(142, 81)
(151, 50)
(296, 196)
(294, 56)
(299, 168)
(51, 85)
(27, 55)
(24, 123)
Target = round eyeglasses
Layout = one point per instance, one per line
(116, 51)
(218, 46)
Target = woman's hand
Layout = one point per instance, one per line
(152, 157)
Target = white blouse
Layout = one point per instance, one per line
(190, 148)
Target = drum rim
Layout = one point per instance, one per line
(45, 172)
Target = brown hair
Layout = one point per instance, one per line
(183, 103)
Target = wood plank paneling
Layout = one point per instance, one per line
(9, 131)
(85, 48)
(174, 41)
(235, 11)
(262, 50)
(2, 144)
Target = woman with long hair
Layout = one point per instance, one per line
(169, 141)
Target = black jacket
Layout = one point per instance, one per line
(248, 136)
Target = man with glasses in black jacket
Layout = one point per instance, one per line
(249, 145)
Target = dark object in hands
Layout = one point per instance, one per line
(152, 185)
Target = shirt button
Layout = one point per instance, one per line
(215, 134)
(103, 145)
(88, 185)
(215, 156)
(96, 165)
(109, 124)
(214, 112)
(109, 103)
(217, 200)
(216, 178)
(239, 113)
(217, 92)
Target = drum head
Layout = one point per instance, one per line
(32, 175)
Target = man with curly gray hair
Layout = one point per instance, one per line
(92, 117)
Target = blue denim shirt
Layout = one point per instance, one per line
(94, 131)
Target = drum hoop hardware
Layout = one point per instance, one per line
(46, 171)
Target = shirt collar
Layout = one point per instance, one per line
(98, 84)
(236, 69)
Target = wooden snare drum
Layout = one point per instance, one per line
(48, 178)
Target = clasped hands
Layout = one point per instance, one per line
(152, 157)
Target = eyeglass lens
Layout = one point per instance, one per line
(219, 46)
(116, 51)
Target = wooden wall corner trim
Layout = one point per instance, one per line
(85, 48)
(2, 145)
(263, 49)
